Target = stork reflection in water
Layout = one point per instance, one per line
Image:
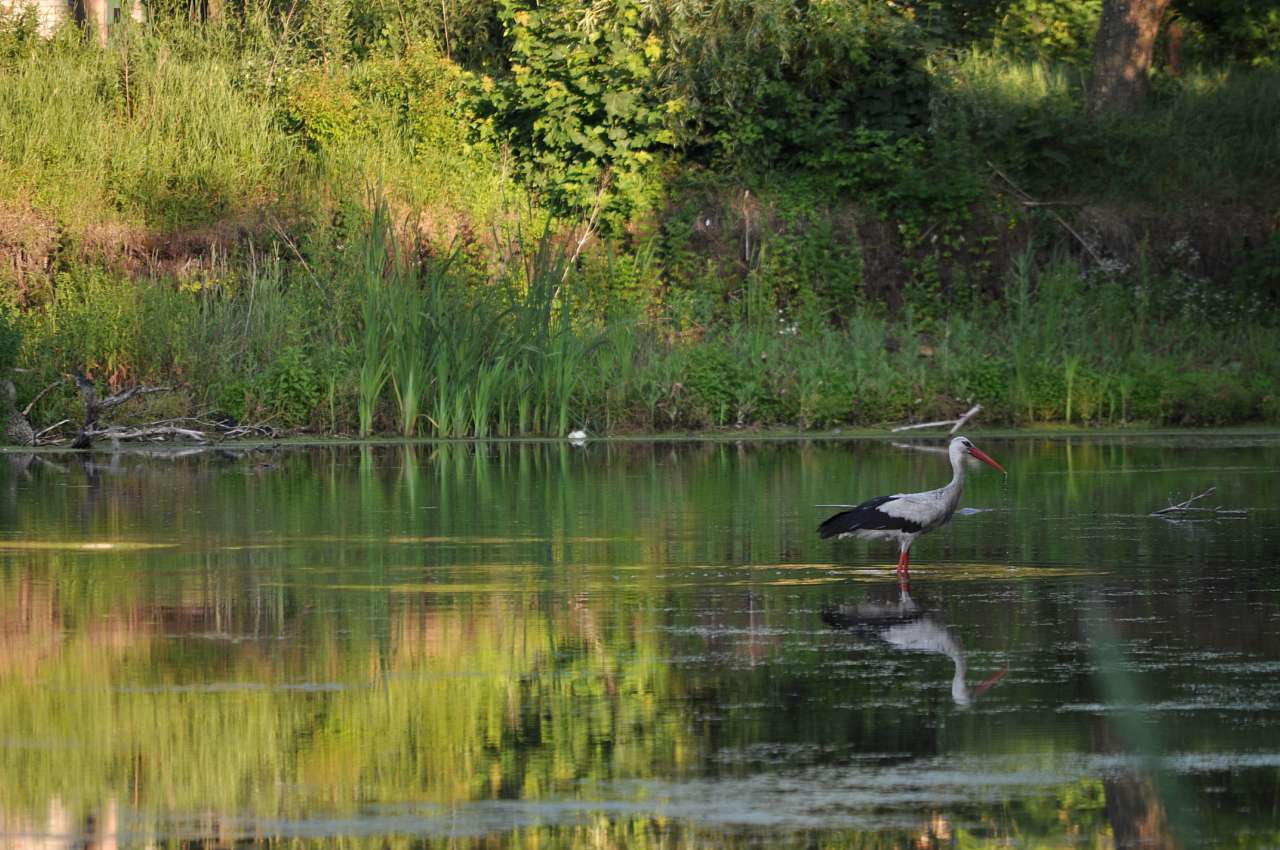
(904, 626)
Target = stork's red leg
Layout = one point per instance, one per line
(904, 570)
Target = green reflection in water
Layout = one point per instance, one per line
(534, 645)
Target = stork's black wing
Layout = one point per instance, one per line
(867, 516)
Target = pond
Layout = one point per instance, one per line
(639, 644)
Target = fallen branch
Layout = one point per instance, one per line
(1187, 507)
(147, 432)
(181, 428)
(36, 439)
(124, 395)
(26, 411)
(1029, 201)
(93, 406)
(956, 424)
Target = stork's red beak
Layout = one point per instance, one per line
(988, 683)
(985, 458)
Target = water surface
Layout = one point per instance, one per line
(639, 645)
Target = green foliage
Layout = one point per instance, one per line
(504, 359)
(1239, 32)
(290, 388)
(326, 25)
(10, 337)
(321, 108)
(798, 222)
(93, 323)
(579, 108)
(1050, 31)
(19, 33)
(768, 83)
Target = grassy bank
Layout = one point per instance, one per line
(343, 236)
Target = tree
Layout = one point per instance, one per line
(1122, 53)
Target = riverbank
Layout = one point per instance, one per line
(345, 243)
(249, 448)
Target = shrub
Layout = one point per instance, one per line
(290, 388)
(580, 108)
(321, 108)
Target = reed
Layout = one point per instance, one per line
(375, 363)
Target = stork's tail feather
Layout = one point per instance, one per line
(842, 523)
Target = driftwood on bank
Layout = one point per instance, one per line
(187, 428)
(956, 424)
(1187, 508)
(95, 407)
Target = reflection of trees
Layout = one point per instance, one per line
(507, 698)
(464, 623)
(1136, 814)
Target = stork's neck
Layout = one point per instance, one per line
(956, 486)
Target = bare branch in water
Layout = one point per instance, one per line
(1188, 508)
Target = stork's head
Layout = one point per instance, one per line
(962, 446)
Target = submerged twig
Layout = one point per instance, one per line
(1187, 507)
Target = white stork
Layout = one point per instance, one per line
(906, 516)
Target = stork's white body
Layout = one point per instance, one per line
(903, 517)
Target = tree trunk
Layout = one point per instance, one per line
(1174, 35)
(95, 17)
(1122, 53)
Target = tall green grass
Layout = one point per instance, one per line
(500, 356)
(147, 130)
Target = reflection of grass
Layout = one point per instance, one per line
(83, 545)
(449, 706)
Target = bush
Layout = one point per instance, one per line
(772, 84)
(289, 388)
(580, 107)
(321, 108)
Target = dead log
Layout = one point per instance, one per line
(147, 432)
(93, 407)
